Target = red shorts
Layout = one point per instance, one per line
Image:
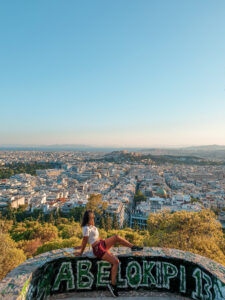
(99, 249)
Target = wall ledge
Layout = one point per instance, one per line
(172, 270)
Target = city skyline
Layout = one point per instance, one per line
(112, 74)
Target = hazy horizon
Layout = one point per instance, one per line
(113, 73)
(104, 146)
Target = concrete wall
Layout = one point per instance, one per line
(156, 269)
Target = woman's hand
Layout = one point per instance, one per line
(82, 247)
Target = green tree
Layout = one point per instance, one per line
(58, 244)
(5, 225)
(67, 231)
(51, 218)
(23, 230)
(46, 233)
(125, 224)
(76, 213)
(30, 230)
(115, 222)
(10, 256)
(136, 226)
(108, 223)
(102, 222)
(10, 213)
(197, 232)
(138, 197)
(96, 204)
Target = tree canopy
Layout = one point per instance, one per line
(197, 232)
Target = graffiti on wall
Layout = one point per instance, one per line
(173, 275)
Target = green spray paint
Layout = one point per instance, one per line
(103, 274)
(197, 294)
(134, 278)
(207, 286)
(182, 288)
(24, 290)
(167, 275)
(84, 276)
(65, 274)
(147, 268)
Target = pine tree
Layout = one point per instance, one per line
(96, 204)
(136, 226)
(115, 222)
(41, 217)
(51, 218)
(108, 222)
(125, 225)
(102, 223)
(57, 214)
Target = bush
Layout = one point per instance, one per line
(10, 256)
(58, 244)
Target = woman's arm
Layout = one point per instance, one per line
(83, 246)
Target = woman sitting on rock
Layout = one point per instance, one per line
(101, 247)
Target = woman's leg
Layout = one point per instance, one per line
(114, 261)
(111, 241)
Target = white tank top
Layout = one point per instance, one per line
(92, 232)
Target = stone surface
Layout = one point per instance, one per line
(36, 276)
(125, 295)
(124, 298)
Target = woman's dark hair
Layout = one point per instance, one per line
(85, 219)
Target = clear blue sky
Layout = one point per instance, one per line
(117, 72)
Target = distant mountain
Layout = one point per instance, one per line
(92, 148)
(188, 148)
(205, 148)
(64, 147)
(43, 146)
